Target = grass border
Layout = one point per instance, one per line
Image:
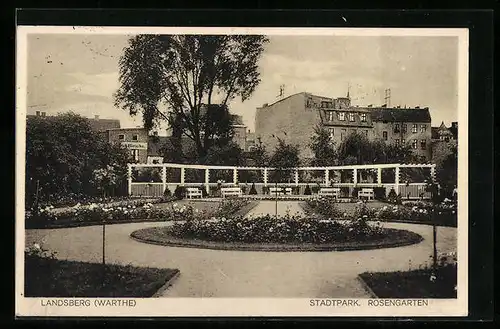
(147, 235)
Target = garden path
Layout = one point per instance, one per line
(217, 273)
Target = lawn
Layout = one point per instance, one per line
(414, 284)
(47, 277)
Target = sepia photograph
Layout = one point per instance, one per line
(168, 167)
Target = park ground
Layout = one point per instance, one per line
(219, 273)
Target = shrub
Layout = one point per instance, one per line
(379, 193)
(167, 193)
(180, 192)
(307, 191)
(344, 192)
(315, 189)
(392, 196)
(355, 191)
(204, 192)
(295, 190)
(253, 191)
(265, 190)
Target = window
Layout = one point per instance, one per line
(363, 117)
(351, 117)
(135, 137)
(342, 134)
(330, 115)
(414, 144)
(397, 141)
(403, 141)
(423, 144)
(396, 128)
(366, 133)
(423, 128)
(414, 128)
(447, 139)
(384, 135)
(403, 126)
(330, 132)
(121, 137)
(156, 161)
(341, 116)
(135, 155)
(353, 131)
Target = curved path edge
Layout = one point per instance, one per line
(141, 236)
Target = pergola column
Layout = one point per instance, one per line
(379, 176)
(129, 178)
(182, 175)
(296, 177)
(326, 177)
(265, 176)
(207, 179)
(164, 177)
(235, 176)
(355, 175)
(396, 180)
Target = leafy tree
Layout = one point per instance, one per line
(447, 171)
(62, 154)
(184, 73)
(355, 146)
(259, 154)
(324, 149)
(229, 154)
(284, 159)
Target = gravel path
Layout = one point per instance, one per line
(214, 273)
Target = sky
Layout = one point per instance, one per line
(79, 73)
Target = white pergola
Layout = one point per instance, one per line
(157, 188)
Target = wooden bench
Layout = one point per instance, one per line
(330, 191)
(193, 192)
(280, 190)
(231, 191)
(366, 193)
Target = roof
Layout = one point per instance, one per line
(104, 124)
(237, 120)
(400, 115)
(442, 129)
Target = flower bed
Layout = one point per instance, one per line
(426, 282)
(412, 212)
(287, 233)
(110, 214)
(94, 214)
(46, 276)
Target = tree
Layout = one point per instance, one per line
(355, 146)
(62, 153)
(185, 73)
(447, 171)
(325, 152)
(259, 154)
(225, 155)
(285, 157)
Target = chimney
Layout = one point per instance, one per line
(37, 113)
(417, 107)
(454, 124)
(43, 114)
(96, 117)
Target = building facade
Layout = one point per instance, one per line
(295, 117)
(134, 139)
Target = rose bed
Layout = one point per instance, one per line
(270, 234)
